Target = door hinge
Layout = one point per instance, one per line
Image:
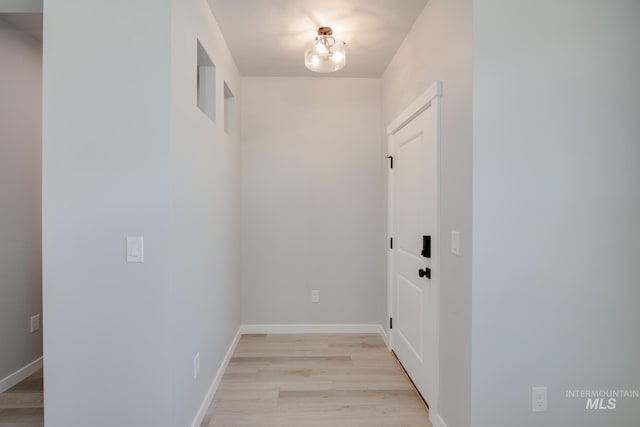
(390, 322)
(390, 161)
(390, 242)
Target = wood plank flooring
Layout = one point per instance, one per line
(22, 405)
(285, 381)
(314, 380)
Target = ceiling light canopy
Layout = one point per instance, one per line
(327, 55)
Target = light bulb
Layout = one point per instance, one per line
(320, 47)
(337, 56)
(315, 60)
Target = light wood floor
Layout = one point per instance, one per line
(285, 381)
(22, 405)
(314, 381)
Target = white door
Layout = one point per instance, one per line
(414, 220)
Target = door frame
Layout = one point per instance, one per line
(431, 98)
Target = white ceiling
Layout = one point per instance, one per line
(269, 37)
(30, 23)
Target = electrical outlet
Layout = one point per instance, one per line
(455, 242)
(539, 399)
(196, 366)
(315, 296)
(35, 323)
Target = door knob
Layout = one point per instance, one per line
(425, 273)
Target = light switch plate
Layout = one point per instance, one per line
(35, 323)
(455, 242)
(135, 249)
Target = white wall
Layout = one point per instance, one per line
(312, 201)
(127, 152)
(106, 175)
(205, 211)
(556, 209)
(20, 197)
(21, 6)
(439, 48)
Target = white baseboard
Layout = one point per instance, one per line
(436, 420)
(216, 382)
(385, 337)
(278, 329)
(313, 329)
(20, 374)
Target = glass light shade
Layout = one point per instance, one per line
(321, 48)
(339, 54)
(331, 57)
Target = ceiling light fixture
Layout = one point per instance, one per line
(327, 54)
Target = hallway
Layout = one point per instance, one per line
(316, 380)
(227, 213)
